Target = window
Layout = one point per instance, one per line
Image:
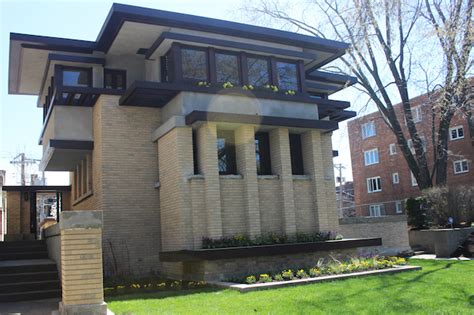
(287, 75)
(393, 149)
(371, 157)
(226, 152)
(416, 114)
(461, 166)
(412, 148)
(368, 130)
(115, 79)
(82, 179)
(227, 68)
(262, 153)
(395, 178)
(414, 182)
(456, 133)
(296, 155)
(194, 64)
(258, 71)
(195, 153)
(74, 76)
(376, 210)
(398, 207)
(374, 184)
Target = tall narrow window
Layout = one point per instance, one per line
(194, 64)
(393, 149)
(115, 79)
(296, 154)
(262, 153)
(226, 152)
(227, 68)
(258, 71)
(414, 182)
(287, 74)
(195, 153)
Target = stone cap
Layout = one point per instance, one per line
(85, 219)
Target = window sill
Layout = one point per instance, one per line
(301, 177)
(157, 184)
(195, 176)
(231, 176)
(82, 198)
(265, 177)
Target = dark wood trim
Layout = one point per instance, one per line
(301, 76)
(211, 65)
(244, 73)
(36, 188)
(57, 48)
(266, 250)
(196, 116)
(273, 71)
(78, 59)
(71, 144)
(177, 64)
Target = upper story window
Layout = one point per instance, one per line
(374, 184)
(371, 157)
(414, 182)
(194, 64)
(296, 155)
(417, 114)
(456, 133)
(227, 68)
(368, 130)
(115, 79)
(287, 75)
(262, 153)
(258, 71)
(75, 76)
(226, 152)
(393, 149)
(412, 148)
(461, 166)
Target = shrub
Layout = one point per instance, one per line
(314, 272)
(287, 274)
(278, 277)
(302, 274)
(250, 279)
(264, 278)
(416, 213)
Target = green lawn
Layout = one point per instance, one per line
(442, 287)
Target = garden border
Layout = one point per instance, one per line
(242, 288)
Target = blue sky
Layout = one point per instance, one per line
(21, 120)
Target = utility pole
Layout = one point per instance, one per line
(23, 161)
(340, 167)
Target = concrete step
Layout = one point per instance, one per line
(28, 277)
(30, 286)
(16, 249)
(40, 254)
(26, 266)
(21, 243)
(30, 295)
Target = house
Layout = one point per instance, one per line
(181, 127)
(382, 179)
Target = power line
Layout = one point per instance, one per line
(23, 161)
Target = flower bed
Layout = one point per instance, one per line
(323, 268)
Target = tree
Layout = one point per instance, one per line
(384, 35)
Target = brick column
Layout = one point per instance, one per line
(247, 167)
(208, 166)
(319, 167)
(81, 263)
(281, 165)
(326, 145)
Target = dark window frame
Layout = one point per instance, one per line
(114, 73)
(229, 151)
(269, 66)
(213, 56)
(264, 164)
(74, 68)
(296, 154)
(180, 73)
(195, 152)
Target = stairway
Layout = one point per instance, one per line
(26, 273)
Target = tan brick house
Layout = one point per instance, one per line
(181, 127)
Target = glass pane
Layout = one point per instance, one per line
(257, 156)
(76, 78)
(108, 81)
(287, 76)
(227, 68)
(120, 82)
(258, 71)
(194, 64)
(221, 155)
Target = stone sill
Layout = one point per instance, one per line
(268, 177)
(232, 176)
(196, 176)
(301, 177)
(278, 284)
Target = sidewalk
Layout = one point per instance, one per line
(40, 307)
(433, 256)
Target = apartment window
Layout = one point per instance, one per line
(414, 182)
(374, 184)
(258, 71)
(227, 68)
(287, 75)
(194, 64)
(115, 79)
(82, 178)
(395, 178)
(412, 148)
(226, 152)
(398, 207)
(376, 210)
(392, 149)
(456, 133)
(296, 154)
(416, 113)
(371, 157)
(461, 166)
(262, 153)
(75, 76)
(368, 130)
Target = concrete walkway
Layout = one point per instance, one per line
(39, 307)
(433, 256)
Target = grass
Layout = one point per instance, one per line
(442, 287)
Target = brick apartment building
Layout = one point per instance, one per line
(160, 129)
(382, 179)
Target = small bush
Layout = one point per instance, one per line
(302, 274)
(287, 274)
(278, 277)
(417, 217)
(250, 279)
(314, 272)
(264, 278)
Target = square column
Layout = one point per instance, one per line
(208, 166)
(247, 167)
(281, 165)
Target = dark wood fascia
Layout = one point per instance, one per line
(36, 188)
(267, 250)
(57, 48)
(196, 116)
(330, 77)
(71, 144)
(78, 59)
(226, 44)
